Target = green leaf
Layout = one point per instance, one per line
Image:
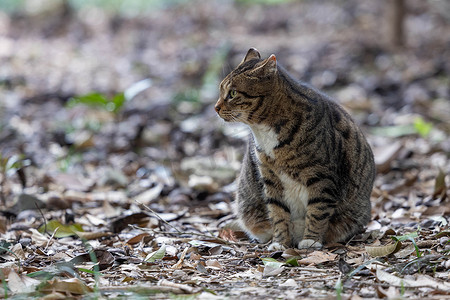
(92, 99)
(61, 229)
(394, 131)
(271, 262)
(90, 271)
(98, 100)
(293, 261)
(423, 128)
(339, 287)
(183, 296)
(419, 126)
(10, 165)
(118, 100)
(41, 274)
(159, 254)
(4, 246)
(402, 238)
(410, 237)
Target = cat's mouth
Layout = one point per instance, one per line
(229, 117)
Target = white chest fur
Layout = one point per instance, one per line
(266, 138)
(295, 195)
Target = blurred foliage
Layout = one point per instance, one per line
(268, 2)
(423, 128)
(210, 80)
(125, 7)
(418, 126)
(59, 230)
(72, 158)
(410, 237)
(98, 100)
(10, 165)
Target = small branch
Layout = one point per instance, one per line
(183, 287)
(320, 279)
(50, 239)
(43, 217)
(143, 288)
(158, 216)
(180, 261)
(197, 234)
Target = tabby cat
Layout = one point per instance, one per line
(308, 171)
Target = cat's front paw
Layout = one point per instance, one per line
(276, 247)
(309, 244)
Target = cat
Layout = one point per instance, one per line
(308, 170)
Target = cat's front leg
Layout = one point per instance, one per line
(280, 215)
(279, 212)
(319, 210)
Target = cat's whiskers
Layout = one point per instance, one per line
(246, 111)
(233, 116)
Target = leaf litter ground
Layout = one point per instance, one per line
(134, 199)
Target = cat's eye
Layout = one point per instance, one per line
(232, 94)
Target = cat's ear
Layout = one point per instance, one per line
(267, 66)
(270, 65)
(252, 53)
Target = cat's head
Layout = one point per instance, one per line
(242, 92)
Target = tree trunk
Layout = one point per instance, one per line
(396, 17)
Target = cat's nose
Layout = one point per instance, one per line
(218, 105)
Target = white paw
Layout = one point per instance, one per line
(309, 244)
(276, 247)
(263, 238)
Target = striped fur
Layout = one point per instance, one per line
(308, 170)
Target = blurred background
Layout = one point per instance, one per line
(117, 96)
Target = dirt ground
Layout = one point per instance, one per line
(117, 176)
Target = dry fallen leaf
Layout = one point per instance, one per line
(146, 237)
(379, 251)
(21, 283)
(420, 281)
(289, 283)
(317, 257)
(103, 258)
(227, 235)
(71, 286)
(385, 155)
(92, 235)
(18, 251)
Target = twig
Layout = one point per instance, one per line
(142, 288)
(314, 270)
(194, 233)
(50, 239)
(158, 216)
(180, 261)
(208, 236)
(319, 279)
(184, 287)
(43, 217)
